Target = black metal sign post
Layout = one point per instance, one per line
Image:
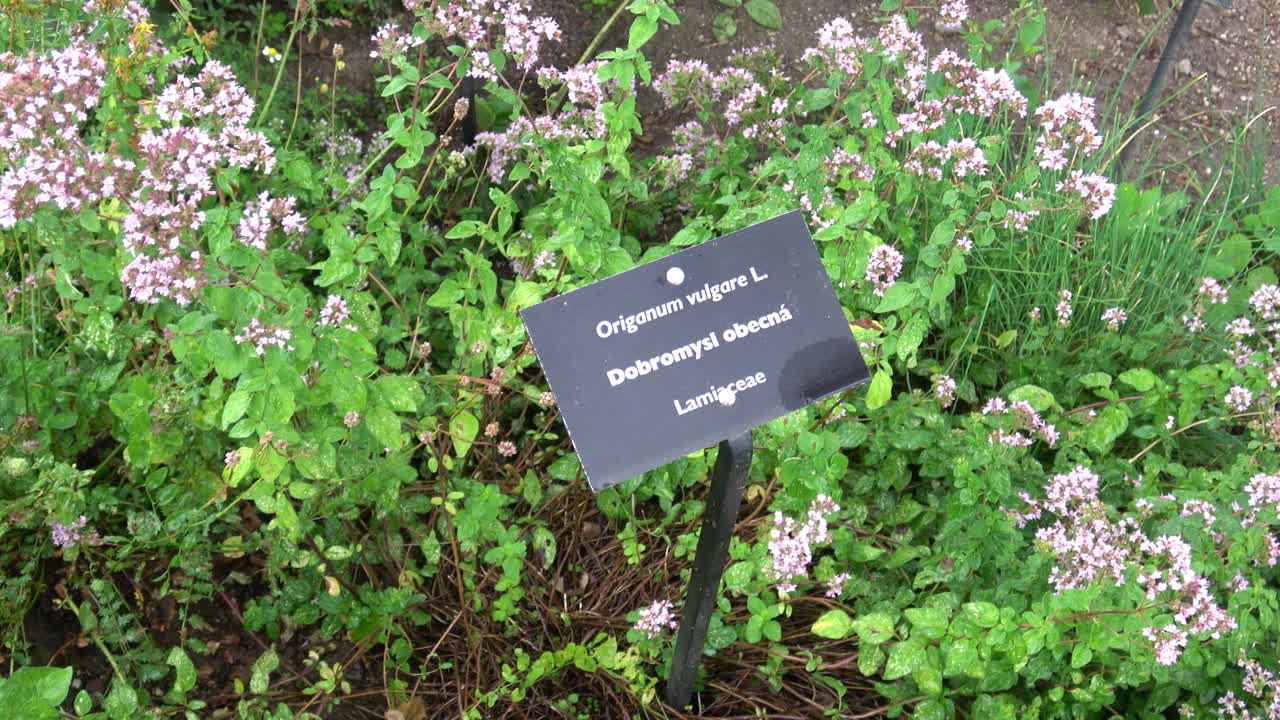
(677, 354)
(728, 480)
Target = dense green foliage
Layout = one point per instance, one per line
(1056, 497)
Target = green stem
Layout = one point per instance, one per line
(591, 48)
(257, 48)
(97, 640)
(284, 60)
(364, 171)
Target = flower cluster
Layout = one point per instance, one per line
(954, 12)
(583, 121)
(658, 617)
(1026, 422)
(839, 47)
(262, 215)
(490, 23)
(45, 99)
(791, 543)
(689, 141)
(1265, 301)
(581, 82)
(263, 336)
(205, 127)
(390, 41)
(1063, 308)
(1067, 125)
(835, 585)
(1088, 546)
(1264, 492)
(1096, 193)
(944, 389)
(927, 159)
(1238, 398)
(527, 268)
(982, 92)
(1210, 293)
(65, 536)
(1114, 317)
(335, 313)
(1260, 685)
(883, 267)
(842, 161)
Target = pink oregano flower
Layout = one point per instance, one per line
(791, 543)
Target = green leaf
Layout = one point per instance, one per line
(260, 674)
(765, 13)
(738, 575)
(1234, 254)
(83, 703)
(930, 622)
(565, 468)
(89, 219)
(870, 658)
(237, 404)
(873, 628)
(524, 294)
(1095, 380)
(941, 291)
(943, 233)
(898, 296)
(880, 391)
(389, 243)
(833, 625)
(929, 676)
(122, 702)
(400, 392)
(931, 709)
(1081, 654)
(286, 517)
(1139, 379)
(642, 29)
(34, 692)
(912, 335)
(1030, 32)
(65, 288)
(184, 671)
(448, 294)
(961, 658)
(463, 429)
(724, 26)
(384, 425)
(816, 99)
(1106, 428)
(904, 658)
(1034, 395)
(227, 359)
(982, 614)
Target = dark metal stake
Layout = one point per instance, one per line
(1172, 49)
(728, 480)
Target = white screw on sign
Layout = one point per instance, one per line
(675, 275)
(726, 397)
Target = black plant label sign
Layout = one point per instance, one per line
(680, 353)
